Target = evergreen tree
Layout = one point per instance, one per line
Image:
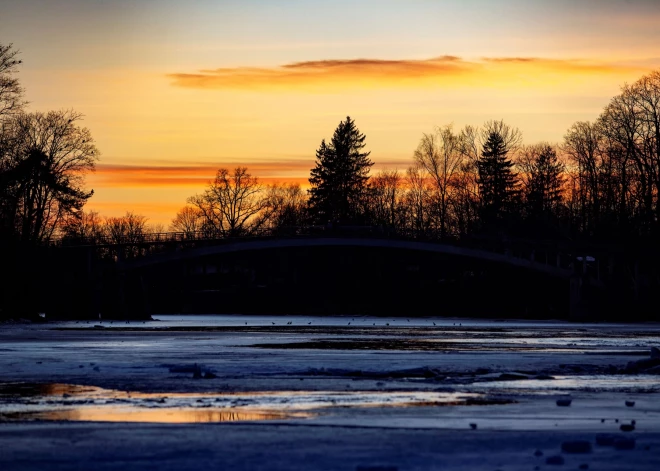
(497, 182)
(339, 179)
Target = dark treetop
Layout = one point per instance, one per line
(340, 176)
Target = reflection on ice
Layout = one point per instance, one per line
(81, 403)
(160, 415)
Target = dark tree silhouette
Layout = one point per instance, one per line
(126, 229)
(84, 226)
(188, 220)
(44, 165)
(497, 181)
(285, 207)
(542, 175)
(440, 155)
(385, 192)
(11, 92)
(232, 205)
(340, 177)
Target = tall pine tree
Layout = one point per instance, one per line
(339, 179)
(497, 182)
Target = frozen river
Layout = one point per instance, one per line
(343, 392)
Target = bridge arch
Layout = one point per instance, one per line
(233, 246)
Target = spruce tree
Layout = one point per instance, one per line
(497, 182)
(339, 179)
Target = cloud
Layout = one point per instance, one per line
(198, 175)
(194, 175)
(320, 74)
(566, 66)
(329, 75)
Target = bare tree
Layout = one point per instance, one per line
(385, 195)
(188, 220)
(45, 168)
(541, 173)
(83, 225)
(127, 232)
(127, 229)
(285, 207)
(465, 203)
(439, 153)
(645, 94)
(11, 92)
(511, 137)
(155, 228)
(583, 143)
(232, 203)
(417, 201)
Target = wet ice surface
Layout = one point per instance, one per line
(479, 380)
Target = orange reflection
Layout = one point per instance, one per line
(157, 415)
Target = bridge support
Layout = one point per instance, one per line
(145, 296)
(577, 309)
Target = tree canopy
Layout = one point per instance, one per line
(340, 176)
(497, 181)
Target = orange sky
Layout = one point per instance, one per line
(171, 90)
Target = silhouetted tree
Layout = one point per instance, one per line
(542, 180)
(44, 167)
(385, 190)
(83, 225)
(497, 181)
(285, 207)
(584, 145)
(127, 229)
(11, 92)
(188, 220)
(340, 177)
(632, 122)
(417, 202)
(440, 155)
(465, 201)
(232, 204)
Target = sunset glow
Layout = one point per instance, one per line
(172, 91)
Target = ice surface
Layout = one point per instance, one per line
(402, 395)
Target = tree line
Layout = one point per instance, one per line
(44, 157)
(601, 183)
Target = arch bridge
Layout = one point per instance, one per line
(548, 258)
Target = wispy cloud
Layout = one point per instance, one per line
(194, 175)
(323, 75)
(198, 175)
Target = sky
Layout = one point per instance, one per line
(173, 90)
